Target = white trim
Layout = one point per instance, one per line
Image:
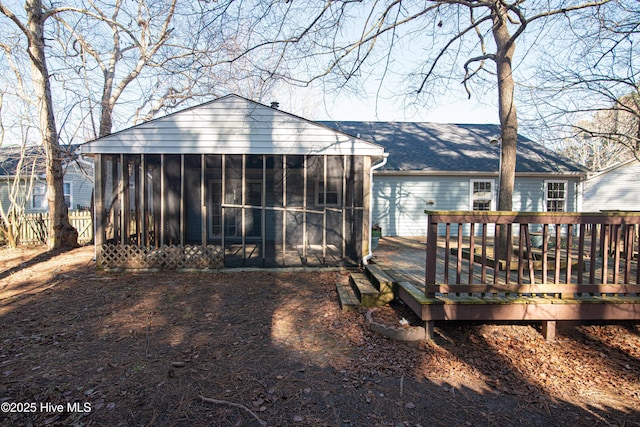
(546, 193)
(70, 183)
(492, 192)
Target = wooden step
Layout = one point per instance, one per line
(381, 280)
(347, 296)
(366, 292)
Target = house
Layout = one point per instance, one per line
(614, 188)
(78, 178)
(231, 182)
(455, 167)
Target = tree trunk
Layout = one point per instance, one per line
(506, 107)
(508, 118)
(60, 232)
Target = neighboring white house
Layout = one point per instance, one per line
(78, 178)
(614, 188)
(455, 167)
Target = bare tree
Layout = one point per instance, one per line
(95, 47)
(19, 176)
(589, 97)
(61, 233)
(472, 42)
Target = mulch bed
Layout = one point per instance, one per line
(273, 348)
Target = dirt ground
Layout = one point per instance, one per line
(251, 348)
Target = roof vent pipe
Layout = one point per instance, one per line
(275, 105)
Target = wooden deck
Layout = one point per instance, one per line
(586, 267)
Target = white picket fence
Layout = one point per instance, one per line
(34, 227)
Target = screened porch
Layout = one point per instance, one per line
(210, 211)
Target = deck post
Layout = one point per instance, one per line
(431, 258)
(429, 334)
(549, 330)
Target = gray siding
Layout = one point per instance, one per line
(399, 201)
(79, 176)
(618, 188)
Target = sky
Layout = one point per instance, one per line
(365, 106)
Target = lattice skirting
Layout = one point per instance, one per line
(164, 257)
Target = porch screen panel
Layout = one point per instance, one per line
(294, 215)
(193, 199)
(274, 254)
(295, 181)
(354, 176)
(213, 188)
(109, 196)
(353, 235)
(315, 229)
(334, 236)
(294, 237)
(274, 185)
(335, 215)
(153, 187)
(232, 211)
(274, 215)
(314, 217)
(172, 170)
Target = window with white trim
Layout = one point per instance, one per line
(39, 196)
(333, 191)
(67, 194)
(482, 195)
(555, 196)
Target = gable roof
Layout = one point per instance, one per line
(232, 125)
(453, 148)
(632, 162)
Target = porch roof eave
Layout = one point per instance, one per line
(91, 151)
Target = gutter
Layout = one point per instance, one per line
(366, 258)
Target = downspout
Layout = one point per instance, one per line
(366, 258)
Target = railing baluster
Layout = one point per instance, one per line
(595, 229)
(545, 250)
(569, 247)
(580, 271)
(496, 251)
(628, 252)
(616, 253)
(483, 274)
(459, 258)
(509, 252)
(472, 253)
(527, 241)
(557, 255)
(447, 250)
(604, 237)
(521, 253)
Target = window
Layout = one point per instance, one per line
(556, 196)
(67, 194)
(39, 199)
(482, 195)
(332, 192)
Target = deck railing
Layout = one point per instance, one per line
(542, 248)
